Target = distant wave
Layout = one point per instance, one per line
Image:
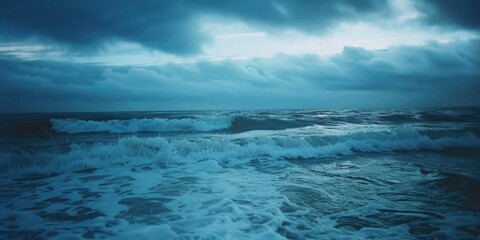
(205, 124)
(238, 149)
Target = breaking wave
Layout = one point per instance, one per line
(205, 124)
(231, 150)
(234, 124)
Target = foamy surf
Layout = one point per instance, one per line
(234, 148)
(241, 175)
(205, 124)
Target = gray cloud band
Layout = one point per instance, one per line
(171, 26)
(439, 74)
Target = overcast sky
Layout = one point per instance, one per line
(58, 56)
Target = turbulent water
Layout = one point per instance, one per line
(346, 174)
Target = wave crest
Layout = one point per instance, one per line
(205, 124)
(231, 150)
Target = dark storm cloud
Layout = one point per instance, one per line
(307, 15)
(413, 68)
(458, 13)
(164, 25)
(171, 25)
(51, 71)
(431, 75)
(30, 85)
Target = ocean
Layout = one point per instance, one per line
(272, 174)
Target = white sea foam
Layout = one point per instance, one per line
(238, 185)
(204, 124)
(230, 149)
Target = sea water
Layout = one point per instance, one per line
(303, 174)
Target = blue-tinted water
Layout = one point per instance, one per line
(378, 174)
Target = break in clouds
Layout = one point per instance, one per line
(434, 73)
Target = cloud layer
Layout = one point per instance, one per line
(432, 75)
(45, 46)
(458, 13)
(172, 26)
